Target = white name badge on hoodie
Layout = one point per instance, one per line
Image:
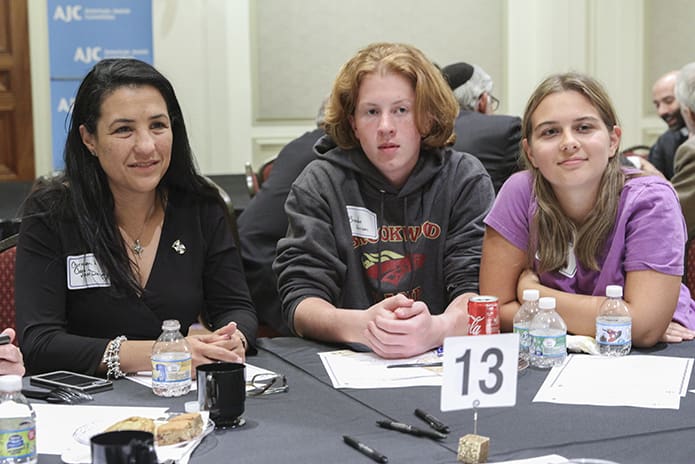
(362, 222)
(84, 271)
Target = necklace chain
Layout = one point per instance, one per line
(137, 247)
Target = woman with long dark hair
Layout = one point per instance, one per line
(128, 236)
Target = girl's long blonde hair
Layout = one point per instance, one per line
(549, 222)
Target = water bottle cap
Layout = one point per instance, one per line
(614, 291)
(171, 324)
(547, 302)
(10, 383)
(531, 294)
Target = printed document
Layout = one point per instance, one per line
(641, 381)
(351, 369)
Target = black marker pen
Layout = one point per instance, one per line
(366, 450)
(432, 421)
(418, 364)
(407, 428)
(4, 339)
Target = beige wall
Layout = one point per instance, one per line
(250, 74)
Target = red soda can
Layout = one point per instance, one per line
(483, 315)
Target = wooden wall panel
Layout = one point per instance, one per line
(16, 128)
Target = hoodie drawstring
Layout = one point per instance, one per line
(378, 246)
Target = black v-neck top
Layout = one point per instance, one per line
(62, 328)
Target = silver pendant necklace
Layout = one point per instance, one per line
(137, 247)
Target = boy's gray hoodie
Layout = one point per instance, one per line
(354, 239)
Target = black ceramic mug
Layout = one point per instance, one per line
(123, 447)
(222, 392)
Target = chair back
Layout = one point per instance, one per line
(690, 266)
(230, 207)
(252, 183)
(8, 253)
(637, 150)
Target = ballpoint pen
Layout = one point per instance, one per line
(366, 450)
(407, 428)
(417, 364)
(432, 421)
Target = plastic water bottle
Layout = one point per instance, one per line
(614, 324)
(522, 321)
(171, 362)
(548, 336)
(17, 423)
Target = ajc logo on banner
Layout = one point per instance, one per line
(82, 33)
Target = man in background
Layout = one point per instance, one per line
(667, 106)
(493, 139)
(683, 179)
(264, 222)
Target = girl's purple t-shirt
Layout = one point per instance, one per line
(649, 234)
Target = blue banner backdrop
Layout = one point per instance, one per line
(82, 33)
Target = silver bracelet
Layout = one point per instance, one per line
(112, 358)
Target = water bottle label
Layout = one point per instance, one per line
(613, 333)
(171, 370)
(18, 444)
(549, 346)
(524, 337)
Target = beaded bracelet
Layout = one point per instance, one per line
(112, 358)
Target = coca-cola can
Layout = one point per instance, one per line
(483, 315)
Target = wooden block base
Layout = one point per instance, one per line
(473, 449)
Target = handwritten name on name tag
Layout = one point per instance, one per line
(362, 222)
(84, 271)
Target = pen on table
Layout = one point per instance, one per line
(432, 421)
(417, 364)
(407, 428)
(366, 450)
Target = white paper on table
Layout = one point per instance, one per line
(640, 380)
(145, 377)
(548, 459)
(351, 369)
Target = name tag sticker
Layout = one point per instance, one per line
(84, 271)
(362, 222)
(480, 371)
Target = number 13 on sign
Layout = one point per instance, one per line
(482, 369)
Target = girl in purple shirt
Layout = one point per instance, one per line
(575, 222)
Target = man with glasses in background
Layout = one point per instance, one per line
(493, 139)
(668, 108)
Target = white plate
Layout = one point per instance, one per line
(84, 433)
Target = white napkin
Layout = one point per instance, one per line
(582, 344)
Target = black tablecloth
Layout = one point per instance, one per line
(621, 434)
(304, 425)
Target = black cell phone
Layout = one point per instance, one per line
(4, 339)
(73, 380)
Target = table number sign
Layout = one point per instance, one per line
(480, 372)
